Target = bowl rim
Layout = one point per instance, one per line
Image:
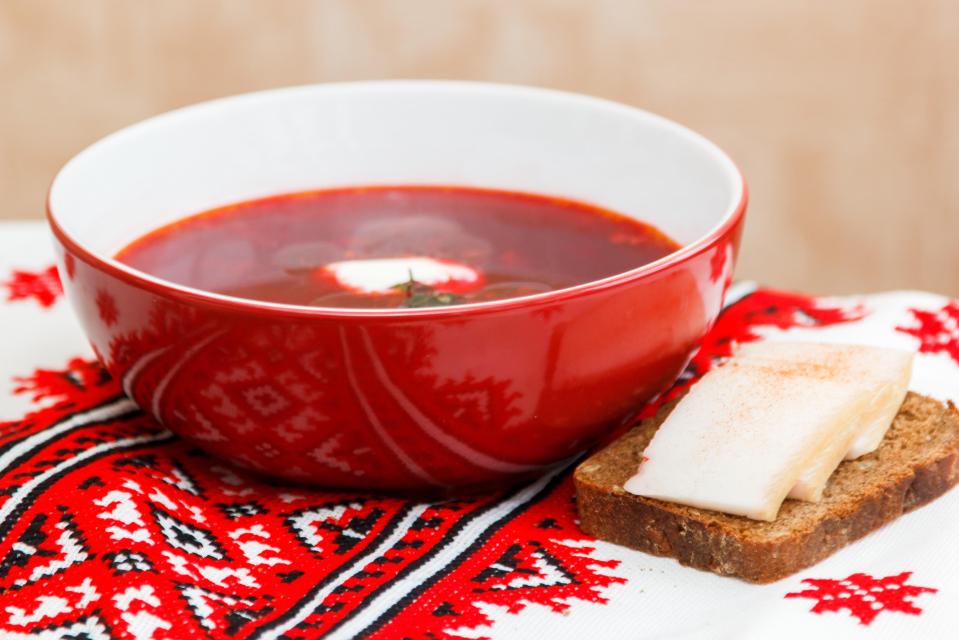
(165, 288)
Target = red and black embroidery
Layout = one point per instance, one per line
(110, 527)
(148, 532)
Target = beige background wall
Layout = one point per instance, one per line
(843, 114)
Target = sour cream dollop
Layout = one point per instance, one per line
(382, 275)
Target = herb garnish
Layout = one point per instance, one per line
(416, 294)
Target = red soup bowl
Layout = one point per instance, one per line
(448, 398)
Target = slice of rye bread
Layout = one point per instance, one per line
(917, 462)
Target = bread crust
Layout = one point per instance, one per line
(917, 462)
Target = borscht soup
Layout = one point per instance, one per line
(396, 247)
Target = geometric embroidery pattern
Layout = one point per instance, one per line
(863, 596)
(111, 527)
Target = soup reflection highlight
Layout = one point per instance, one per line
(396, 247)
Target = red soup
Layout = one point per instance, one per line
(392, 247)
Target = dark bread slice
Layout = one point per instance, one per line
(917, 462)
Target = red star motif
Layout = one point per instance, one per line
(107, 308)
(864, 596)
(43, 286)
(938, 331)
(717, 264)
(70, 264)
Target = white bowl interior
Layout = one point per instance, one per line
(393, 133)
